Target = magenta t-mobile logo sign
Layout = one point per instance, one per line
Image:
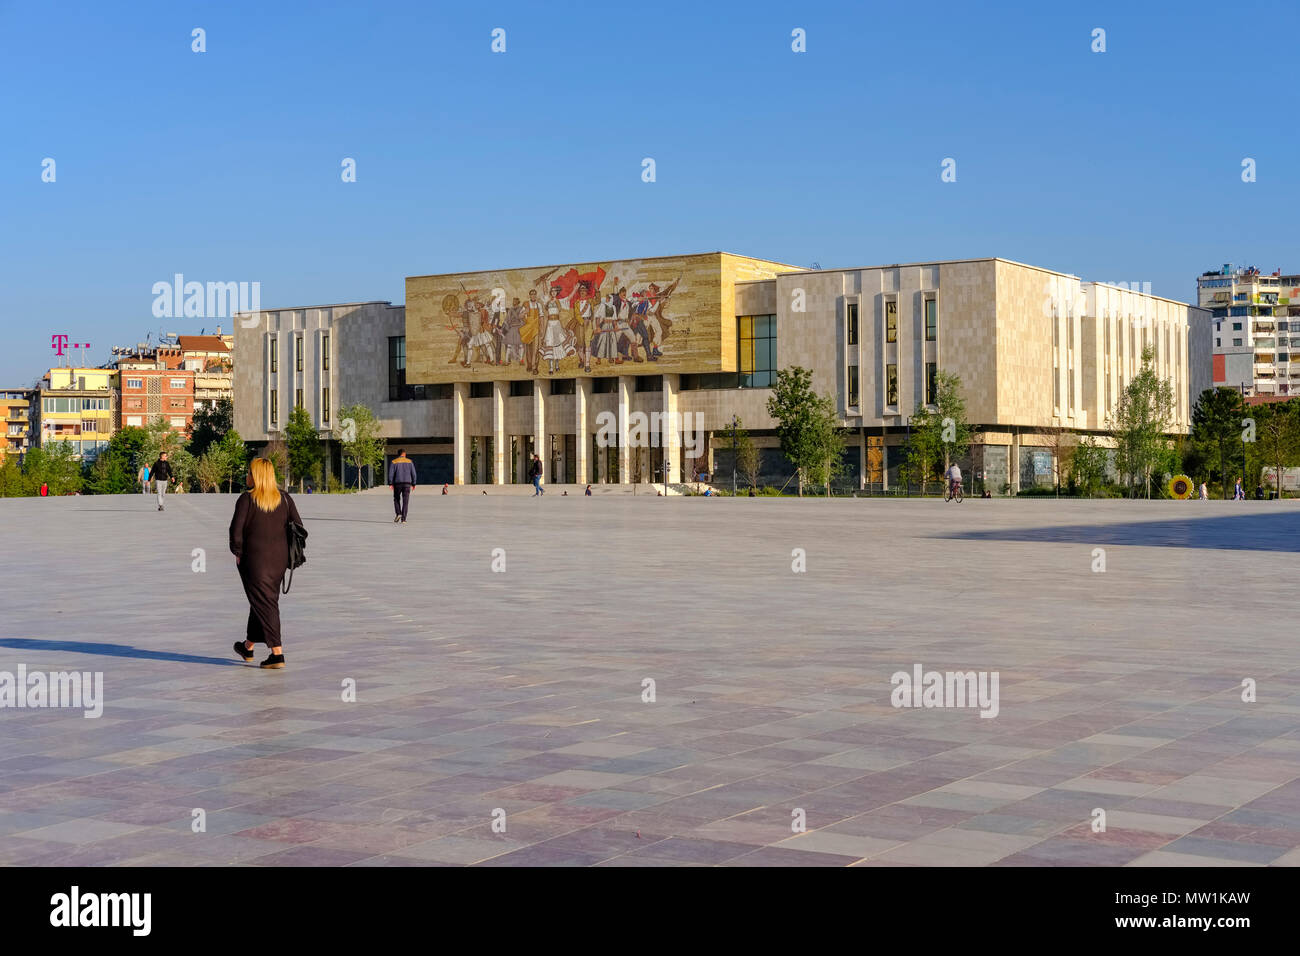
(59, 342)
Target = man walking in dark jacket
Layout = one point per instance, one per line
(161, 473)
(401, 476)
(535, 473)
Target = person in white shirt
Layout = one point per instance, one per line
(954, 477)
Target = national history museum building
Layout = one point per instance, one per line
(617, 371)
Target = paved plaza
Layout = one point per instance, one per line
(517, 696)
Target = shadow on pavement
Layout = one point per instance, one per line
(1279, 531)
(112, 650)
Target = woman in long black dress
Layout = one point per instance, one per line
(259, 542)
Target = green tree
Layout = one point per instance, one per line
(1088, 466)
(746, 457)
(806, 426)
(184, 466)
(210, 425)
(1277, 434)
(13, 484)
(358, 432)
(1217, 431)
(213, 468)
(277, 452)
(159, 437)
(234, 455)
(1140, 424)
(54, 464)
(940, 433)
(305, 448)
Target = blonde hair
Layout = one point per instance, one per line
(265, 494)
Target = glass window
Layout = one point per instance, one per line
(1236, 341)
(891, 321)
(756, 348)
(1236, 326)
(139, 383)
(851, 325)
(178, 423)
(275, 355)
(931, 319)
(297, 353)
(853, 386)
(325, 404)
(563, 386)
(931, 383)
(396, 367)
(136, 420)
(891, 384)
(275, 406)
(605, 384)
(325, 352)
(521, 388)
(649, 383)
(484, 389)
(297, 398)
(177, 383)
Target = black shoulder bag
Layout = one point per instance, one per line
(297, 538)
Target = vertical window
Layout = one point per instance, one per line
(275, 355)
(891, 384)
(853, 386)
(275, 406)
(325, 352)
(931, 319)
(851, 326)
(931, 383)
(396, 367)
(1056, 387)
(297, 353)
(297, 398)
(325, 405)
(756, 346)
(891, 321)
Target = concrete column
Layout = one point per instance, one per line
(459, 440)
(540, 447)
(625, 386)
(1013, 459)
(581, 398)
(500, 454)
(862, 458)
(671, 436)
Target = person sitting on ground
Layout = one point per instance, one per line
(589, 491)
(444, 489)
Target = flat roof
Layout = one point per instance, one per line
(547, 265)
(950, 262)
(327, 305)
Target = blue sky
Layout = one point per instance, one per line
(225, 165)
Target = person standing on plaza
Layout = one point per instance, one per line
(143, 476)
(1239, 493)
(259, 540)
(161, 472)
(401, 478)
(535, 473)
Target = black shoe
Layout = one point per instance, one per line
(403, 521)
(273, 661)
(160, 507)
(396, 518)
(242, 651)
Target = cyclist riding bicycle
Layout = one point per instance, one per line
(954, 479)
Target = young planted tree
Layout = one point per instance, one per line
(1140, 424)
(234, 454)
(159, 437)
(1217, 430)
(940, 433)
(304, 445)
(1064, 445)
(277, 452)
(358, 433)
(1088, 466)
(55, 465)
(806, 426)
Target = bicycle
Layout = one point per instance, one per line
(954, 491)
